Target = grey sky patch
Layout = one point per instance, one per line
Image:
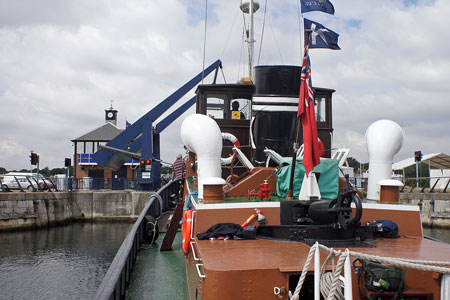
(62, 61)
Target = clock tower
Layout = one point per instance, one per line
(111, 115)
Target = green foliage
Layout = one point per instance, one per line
(166, 170)
(410, 173)
(355, 164)
(59, 171)
(45, 171)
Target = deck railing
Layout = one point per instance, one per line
(89, 183)
(426, 184)
(117, 277)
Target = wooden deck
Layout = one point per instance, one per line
(248, 269)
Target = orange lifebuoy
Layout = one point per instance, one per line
(186, 231)
(236, 143)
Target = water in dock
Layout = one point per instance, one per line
(67, 262)
(438, 233)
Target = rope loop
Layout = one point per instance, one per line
(331, 282)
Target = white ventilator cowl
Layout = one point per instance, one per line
(384, 138)
(201, 135)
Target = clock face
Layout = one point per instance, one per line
(110, 115)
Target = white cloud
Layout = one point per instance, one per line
(61, 62)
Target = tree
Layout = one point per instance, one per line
(3, 170)
(355, 164)
(45, 171)
(410, 173)
(166, 170)
(58, 171)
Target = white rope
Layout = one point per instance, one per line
(146, 247)
(326, 282)
(330, 283)
(326, 278)
(421, 265)
(336, 275)
(305, 270)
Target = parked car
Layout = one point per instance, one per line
(45, 183)
(15, 182)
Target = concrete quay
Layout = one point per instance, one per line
(434, 207)
(39, 209)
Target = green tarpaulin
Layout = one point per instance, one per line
(327, 172)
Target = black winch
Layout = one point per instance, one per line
(330, 222)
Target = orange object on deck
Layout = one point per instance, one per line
(257, 212)
(186, 231)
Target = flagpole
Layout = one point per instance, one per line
(297, 132)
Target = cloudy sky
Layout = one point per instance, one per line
(61, 62)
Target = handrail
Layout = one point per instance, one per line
(411, 181)
(118, 275)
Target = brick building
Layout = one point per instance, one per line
(86, 145)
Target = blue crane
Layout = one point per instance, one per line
(141, 139)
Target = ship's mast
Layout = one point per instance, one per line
(250, 7)
(251, 42)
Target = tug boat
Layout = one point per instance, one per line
(270, 265)
(246, 237)
(250, 230)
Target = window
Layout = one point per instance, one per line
(215, 107)
(320, 109)
(89, 147)
(80, 147)
(240, 109)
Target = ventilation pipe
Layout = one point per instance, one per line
(384, 138)
(201, 135)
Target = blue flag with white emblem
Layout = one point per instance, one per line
(317, 5)
(321, 37)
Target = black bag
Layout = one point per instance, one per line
(380, 278)
(229, 230)
(388, 228)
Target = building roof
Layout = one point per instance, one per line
(435, 160)
(104, 133)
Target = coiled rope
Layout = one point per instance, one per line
(330, 283)
(422, 265)
(326, 278)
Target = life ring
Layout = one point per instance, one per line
(236, 143)
(186, 231)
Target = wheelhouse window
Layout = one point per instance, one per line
(240, 109)
(215, 107)
(320, 109)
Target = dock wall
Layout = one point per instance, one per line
(27, 210)
(434, 207)
(32, 210)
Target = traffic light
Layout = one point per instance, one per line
(34, 158)
(145, 164)
(67, 162)
(418, 156)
